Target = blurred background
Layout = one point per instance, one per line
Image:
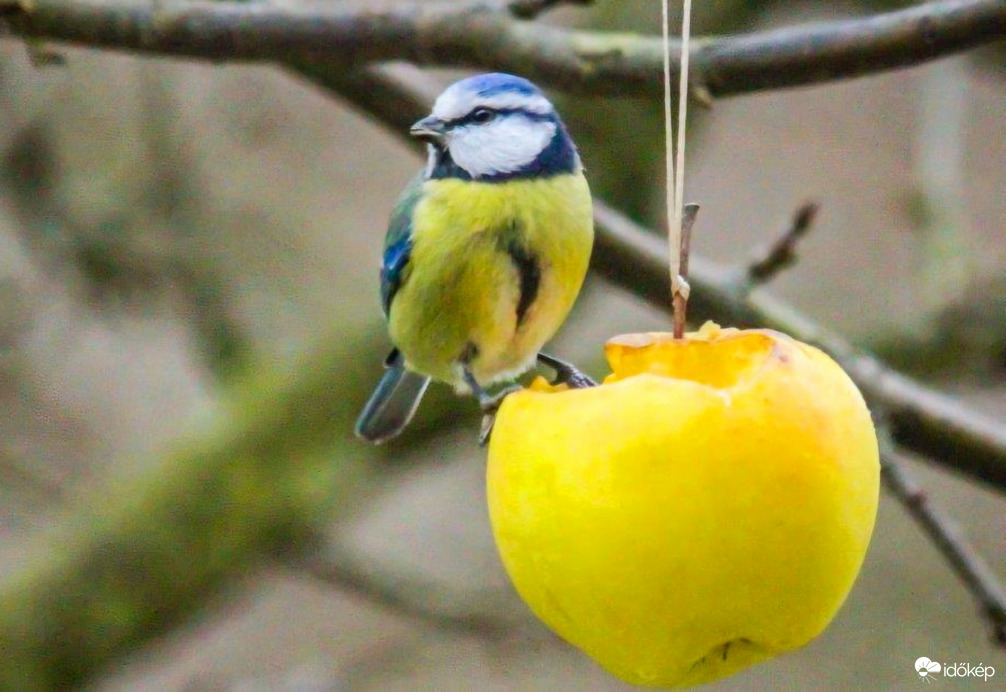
(166, 226)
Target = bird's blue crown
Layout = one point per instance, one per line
(497, 127)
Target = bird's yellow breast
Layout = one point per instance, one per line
(460, 294)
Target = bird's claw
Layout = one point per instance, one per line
(488, 421)
(574, 379)
(489, 405)
(566, 373)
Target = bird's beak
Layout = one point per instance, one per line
(429, 129)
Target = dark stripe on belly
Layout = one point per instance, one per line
(529, 272)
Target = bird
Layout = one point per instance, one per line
(486, 250)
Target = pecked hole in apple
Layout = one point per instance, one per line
(715, 357)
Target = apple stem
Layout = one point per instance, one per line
(679, 295)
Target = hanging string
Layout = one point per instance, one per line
(675, 192)
(679, 181)
(673, 215)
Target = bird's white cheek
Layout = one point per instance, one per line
(503, 146)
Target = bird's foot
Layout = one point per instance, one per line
(489, 403)
(489, 407)
(566, 373)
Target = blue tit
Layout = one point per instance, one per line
(486, 250)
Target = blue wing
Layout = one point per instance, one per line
(398, 242)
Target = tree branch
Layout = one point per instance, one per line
(484, 35)
(929, 423)
(924, 421)
(962, 557)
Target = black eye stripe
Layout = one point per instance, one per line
(473, 116)
(469, 118)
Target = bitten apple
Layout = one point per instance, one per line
(707, 507)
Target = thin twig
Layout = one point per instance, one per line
(481, 35)
(782, 252)
(691, 211)
(679, 299)
(965, 560)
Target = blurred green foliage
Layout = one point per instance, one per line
(136, 555)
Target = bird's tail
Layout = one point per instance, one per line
(393, 403)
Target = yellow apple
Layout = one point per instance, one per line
(707, 507)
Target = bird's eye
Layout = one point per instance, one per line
(482, 115)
